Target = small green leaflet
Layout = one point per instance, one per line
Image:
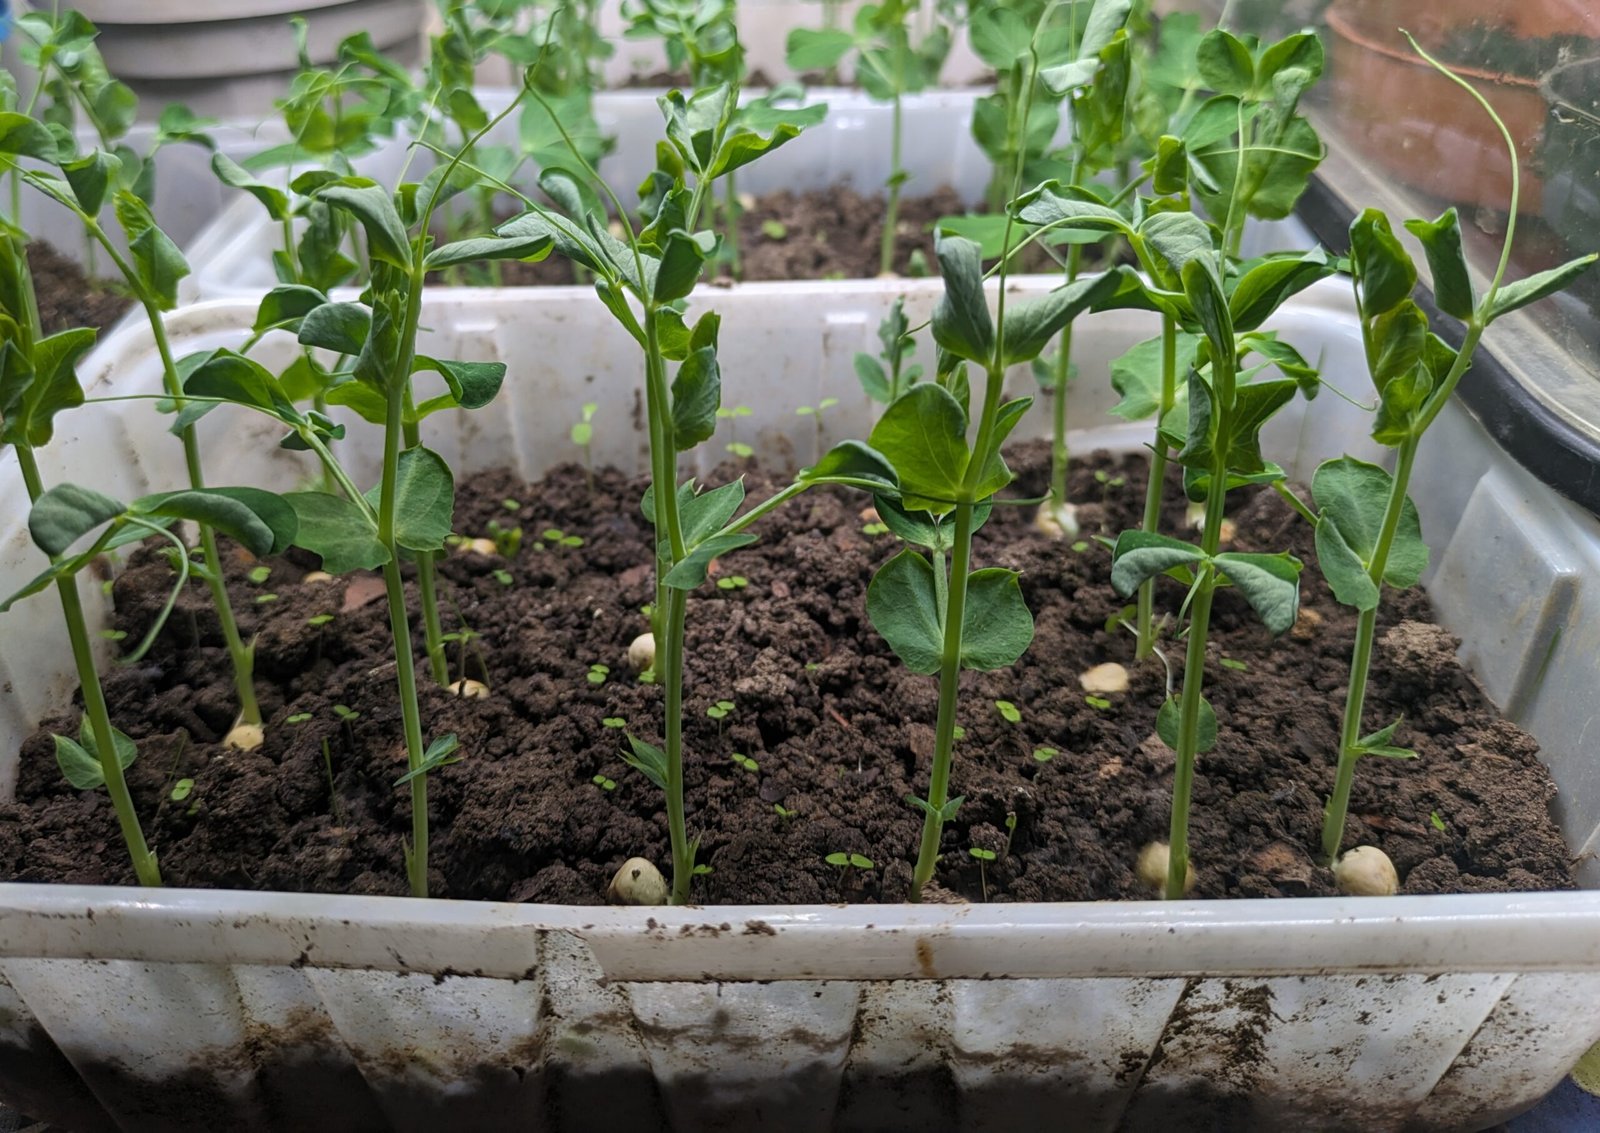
(1169, 718)
(1379, 744)
(80, 760)
(1352, 497)
(647, 759)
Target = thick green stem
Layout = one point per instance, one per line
(897, 177)
(1194, 675)
(671, 610)
(669, 670)
(427, 576)
(1158, 475)
(400, 629)
(949, 699)
(94, 702)
(1361, 660)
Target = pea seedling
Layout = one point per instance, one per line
(583, 436)
(1368, 532)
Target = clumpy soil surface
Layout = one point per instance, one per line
(831, 234)
(840, 730)
(67, 297)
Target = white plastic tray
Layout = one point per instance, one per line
(849, 148)
(141, 1009)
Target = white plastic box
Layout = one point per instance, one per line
(144, 1010)
(850, 148)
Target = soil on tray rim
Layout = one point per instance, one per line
(839, 730)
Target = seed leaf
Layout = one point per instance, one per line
(961, 323)
(338, 530)
(1169, 716)
(1270, 583)
(997, 627)
(1441, 242)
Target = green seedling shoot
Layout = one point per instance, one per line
(410, 512)
(642, 276)
(1368, 532)
(889, 66)
(746, 762)
(983, 857)
(1009, 712)
(815, 412)
(583, 436)
(884, 381)
(598, 673)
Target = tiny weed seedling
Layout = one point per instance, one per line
(879, 528)
(559, 538)
(782, 811)
(1436, 822)
(604, 783)
(719, 712)
(297, 718)
(597, 673)
(614, 722)
(847, 862)
(984, 859)
(736, 447)
(1045, 754)
(733, 582)
(184, 787)
(774, 229)
(317, 621)
(815, 412)
(1098, 703)
(1234, 663)
(1009, 712)
(583, 436)
(504, 577)
(259, 574)
(507, 539)
(889, 375)
(746, 762)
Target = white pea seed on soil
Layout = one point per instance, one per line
(317, 576)
(642, 652)
(1057, 523)
(1151, 868)
(479, 546)
(245, 737)
(1366, 871)
(470, 690)
(638, 882)
(1110, 677)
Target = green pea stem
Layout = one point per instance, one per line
(1159, 455)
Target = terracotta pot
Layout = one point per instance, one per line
(1416, 125)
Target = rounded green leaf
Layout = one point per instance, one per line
(903, 604)
(996, 627)
(1169, 717)
(924, 435)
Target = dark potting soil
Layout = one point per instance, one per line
(67, 297)
(840, 730)
(818, 234)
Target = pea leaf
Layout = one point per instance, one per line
(705, 513)
(157, 263)
(997, 627)
(236, 176)
(923, 434)
(472, 384)
(91, 177)
(1030, 325)
(1535, 287)
(340, 327)
(1400, 406)
(1379, 743)
(22, 136)
(241, 380)
(1441, 242)
(1265, 287)
(961, 323)
(338, 530)
(1169, 717)
(810, 49)
(1270, 583)
(1068, 208)
(424, 500)
(1224, 63)
(696, 394)
(31, 396)
(690, 571)
(1139, 555)
(1380, 264)
(285, 306)
(65, 513)
(903, 605)
(261, 521)
(1352, 497)
(529, 248)
(372, 206)
(1396, 337)
(647, 759)
(853, 464)
(1136, 375)
(80, 761)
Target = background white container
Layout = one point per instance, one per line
(849, 148)
(141, 1009)
(233, 57)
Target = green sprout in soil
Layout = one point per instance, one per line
(1368, 532)
(503, 577)
(746, 762)
(1009, 712)
(782, 811)
(604, 783)
(259, 574)
(1098, 703)
(1045, 754)
(984, 859)
(736, 447)
(507, 540)
(297, 718)
(733, 582)
(774, 229)
(319, 620)
(614, 722)
(181, 790)
(582, 434)
(559, 538)
(848, 861)
(597, 673)
(889, 375)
